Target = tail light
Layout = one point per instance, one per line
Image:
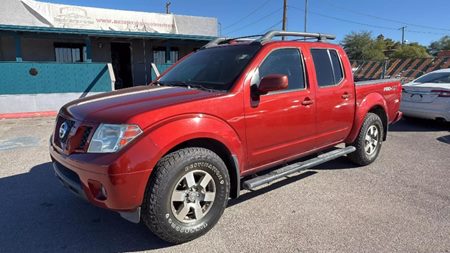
(442, 93)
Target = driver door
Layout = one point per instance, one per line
(280, 125)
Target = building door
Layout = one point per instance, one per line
(121, 62)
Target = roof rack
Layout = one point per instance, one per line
(223, 40)
(319, 36)
(268, 36)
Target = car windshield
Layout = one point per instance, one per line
(212, 68)
(440, 77)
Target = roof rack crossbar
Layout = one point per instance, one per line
(223, 40)
(320, 36)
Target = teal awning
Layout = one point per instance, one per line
(103, 33)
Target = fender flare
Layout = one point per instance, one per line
(166, 135)
(370, 102)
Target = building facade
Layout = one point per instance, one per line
(126, 42)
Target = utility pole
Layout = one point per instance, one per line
(306, 14)
(403, 33)
(284, 16)
(167, 7)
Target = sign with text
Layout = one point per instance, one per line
(67, 16)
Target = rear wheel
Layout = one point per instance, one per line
(369, 140)
(187, 194)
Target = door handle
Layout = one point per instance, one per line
(307, 101)
(345, 95)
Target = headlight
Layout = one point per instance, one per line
(109, 138)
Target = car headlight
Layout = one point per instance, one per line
(109, 138)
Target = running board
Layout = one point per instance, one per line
(253, 183)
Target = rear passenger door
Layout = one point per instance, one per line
(335, 96)
(280, 124)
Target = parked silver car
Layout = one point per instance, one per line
(428, 96)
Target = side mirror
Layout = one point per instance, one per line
(272, 83)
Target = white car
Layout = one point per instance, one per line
(428, 96)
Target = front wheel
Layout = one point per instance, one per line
(187, 194)
(368, 142)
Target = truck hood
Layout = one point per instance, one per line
(119, 106)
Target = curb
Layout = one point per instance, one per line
(21, 115)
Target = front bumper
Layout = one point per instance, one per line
(97, 181)
(71, 181)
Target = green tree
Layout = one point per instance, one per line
(442, 44)
(412, 50)
(361, 46)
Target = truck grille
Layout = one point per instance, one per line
(84, 139)
(74, 137)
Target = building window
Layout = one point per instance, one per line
(159, 55)
(174, 52)
(70, 53)
(162, 56)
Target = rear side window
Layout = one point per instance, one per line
(286, 61)
(328, 67)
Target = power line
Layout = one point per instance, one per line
(342, 19)
(248, 15)
(255, 22)
(271, 27)
(387, 19)
(361, 23)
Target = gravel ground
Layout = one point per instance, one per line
(399, 203)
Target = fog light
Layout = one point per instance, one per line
(97, 190)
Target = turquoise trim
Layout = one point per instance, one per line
(18, 78)
(104, 33)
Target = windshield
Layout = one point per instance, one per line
(440, 77)
(213, 68)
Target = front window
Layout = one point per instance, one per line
(440, 77)
(213, 68)
(286, 61)
(70, 52)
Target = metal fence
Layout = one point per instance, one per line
(406, 69)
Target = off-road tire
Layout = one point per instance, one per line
(157, 207)
(360, 156)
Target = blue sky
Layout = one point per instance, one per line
(426, 21)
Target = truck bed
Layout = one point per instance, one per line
(386, 88)
(377, 81)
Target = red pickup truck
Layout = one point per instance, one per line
(235, 113)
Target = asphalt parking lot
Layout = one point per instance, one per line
(399, 203)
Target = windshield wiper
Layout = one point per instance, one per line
(189, 85)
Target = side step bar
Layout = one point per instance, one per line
(253, 183)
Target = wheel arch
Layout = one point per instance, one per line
(378, 110)
(230, 160)
(204, 131)
(373, 103)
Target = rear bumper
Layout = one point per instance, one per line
(426, 110)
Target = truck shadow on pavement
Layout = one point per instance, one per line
(444, 139)
(338, 164)
(37, 214)
(419, 125)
